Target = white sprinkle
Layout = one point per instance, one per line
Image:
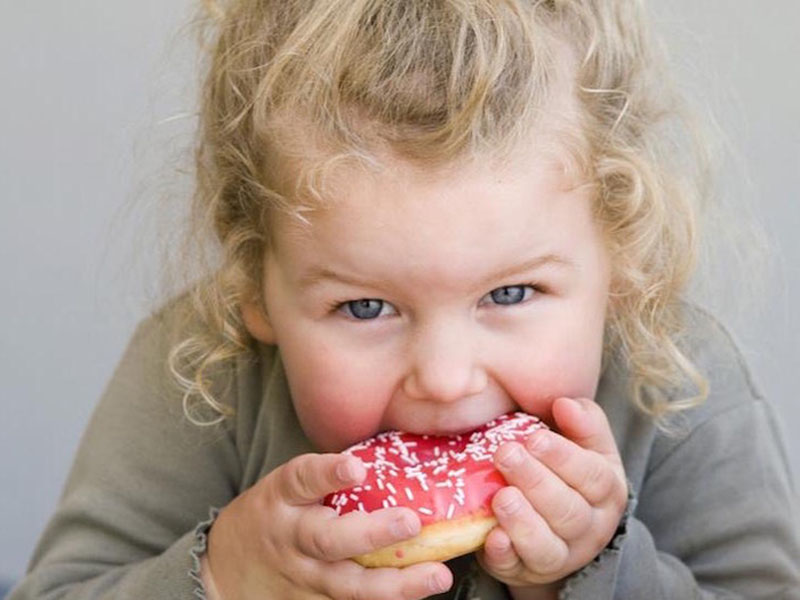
(425, 511)
(353, 497)
(392, 501)
(443, 484)
(361, 507)
(450, 510)
(385, 503)
(380, 483)
(409, 495)
(391, 487)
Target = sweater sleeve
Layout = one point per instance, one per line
(142, 481)
(716, 518)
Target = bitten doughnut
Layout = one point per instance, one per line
(448, 480)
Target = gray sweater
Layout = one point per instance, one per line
(712, 512)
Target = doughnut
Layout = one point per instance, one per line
(448, 480)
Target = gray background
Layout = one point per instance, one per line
(90, 125)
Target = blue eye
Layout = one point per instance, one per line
(365, 308)
(511, 294)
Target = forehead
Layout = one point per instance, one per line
(438, 225)
(342, 183)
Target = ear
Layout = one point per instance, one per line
(257, 322)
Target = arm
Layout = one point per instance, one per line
(133, 519)
(142, 479)
(716, 518)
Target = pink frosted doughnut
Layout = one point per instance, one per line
(448, 480)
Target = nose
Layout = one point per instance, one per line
(444, 365)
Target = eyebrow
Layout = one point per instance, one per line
(317, 275)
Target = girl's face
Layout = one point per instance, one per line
(433, 302)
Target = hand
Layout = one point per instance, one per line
(566, 497)
(277, 541)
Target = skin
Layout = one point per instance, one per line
(485, 290)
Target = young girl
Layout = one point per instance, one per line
(428, 214)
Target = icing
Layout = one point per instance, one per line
(440, 477)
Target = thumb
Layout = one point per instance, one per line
(308, 478)
(584, 422)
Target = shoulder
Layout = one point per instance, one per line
(717, 489)
(735, 414)
(713, 351)
(168, 344)
(732, 403)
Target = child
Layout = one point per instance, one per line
(430, 213)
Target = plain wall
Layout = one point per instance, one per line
(92, 99)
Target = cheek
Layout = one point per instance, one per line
(338, 401)
(564, 360)
(535, 388)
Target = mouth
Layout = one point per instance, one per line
(451, 431)
(429, 418)
(453, 428)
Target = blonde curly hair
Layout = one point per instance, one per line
(435, 81)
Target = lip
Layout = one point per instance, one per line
(450, 432)
(453, 429)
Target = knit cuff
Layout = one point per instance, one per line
(604, 564)
(198, 550)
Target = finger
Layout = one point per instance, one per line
(499, 557)
(539, 549)
(585, 423)
(566, 511)
(308, 478)
(594, 476)
(323, 535)
(348, 580)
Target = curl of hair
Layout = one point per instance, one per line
(434, 82)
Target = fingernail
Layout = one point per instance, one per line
(348, 471)
(502, 545)
(539, 443)
(512, 458)
(402, 527)
(579, 404)
(509, 504)
(438, 584)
